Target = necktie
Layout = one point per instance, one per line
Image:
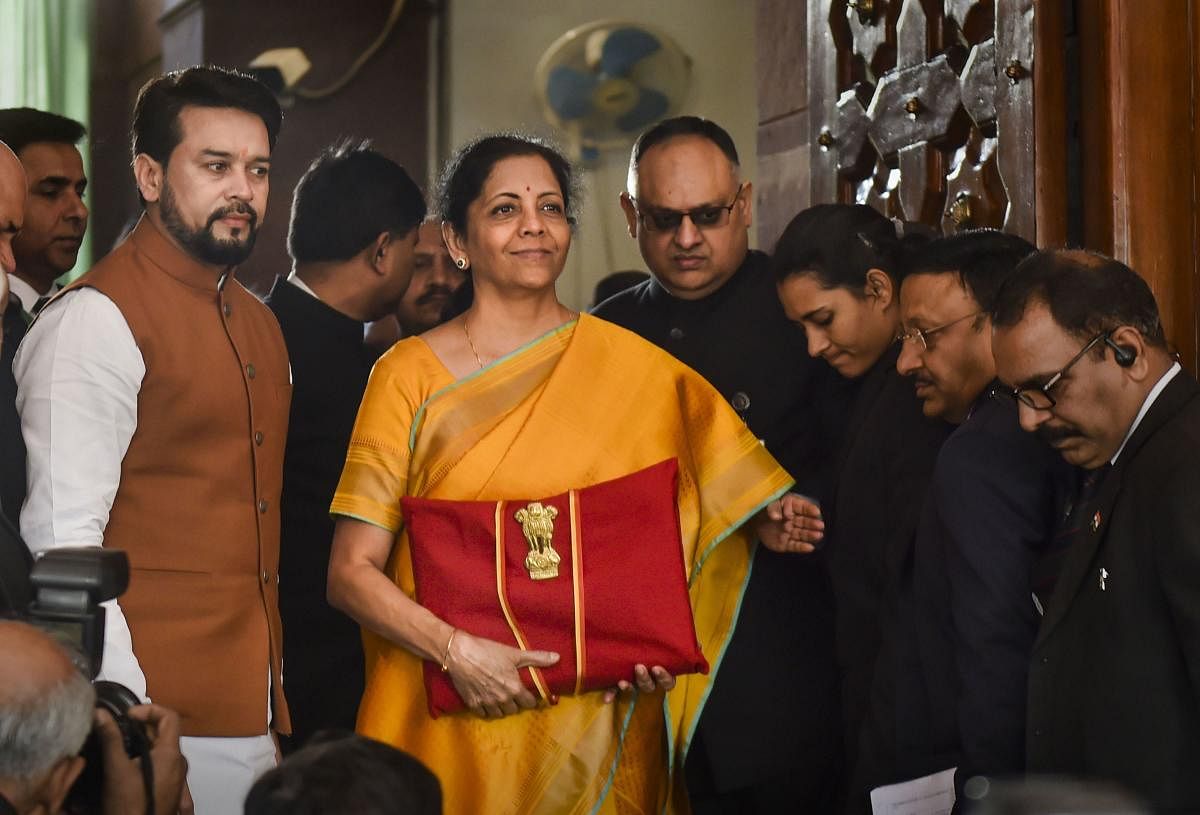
(40, 304)
(1074, 521)
(14, 326)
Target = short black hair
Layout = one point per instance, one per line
(1086, 292)
(346, 774)
(684, 126)
(981, 258)
(839, 243)
(346, 198)
(466, 172)
(156, 129)
(21, 127)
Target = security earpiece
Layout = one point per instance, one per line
(1124, 355)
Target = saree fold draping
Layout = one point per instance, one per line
(583, 404)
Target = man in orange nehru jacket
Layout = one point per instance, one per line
(154, 395)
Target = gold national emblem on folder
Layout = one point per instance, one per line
(537, 523)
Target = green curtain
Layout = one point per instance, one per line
(45, 63)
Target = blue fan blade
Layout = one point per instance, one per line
(650, 107)
(623, 48)
(570, 92)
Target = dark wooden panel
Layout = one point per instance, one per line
(945, 92)
(126, 46)
(1050, 121)
(783, 176)
(387, 102)
(1014, 113)
(1139, 149)
(781, 58)
(823, 92)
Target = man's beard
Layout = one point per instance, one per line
(202, 244)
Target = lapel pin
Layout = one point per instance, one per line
(1096, 519)
(1103, 577)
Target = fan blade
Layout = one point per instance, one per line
(650, 107)
(624, 47)
(569, 92)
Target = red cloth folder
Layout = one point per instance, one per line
(620, 596)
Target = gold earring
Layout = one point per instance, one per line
(461, 263)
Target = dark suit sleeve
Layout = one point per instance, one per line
(1175, 520)
(992, 503)
(909, 462)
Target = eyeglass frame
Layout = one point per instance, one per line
(687, 213)
(923, 336)
(1021, 395)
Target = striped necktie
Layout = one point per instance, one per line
(38, 305)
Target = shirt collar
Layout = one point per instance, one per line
(1150, 397)
(295, 280)
(25, 293)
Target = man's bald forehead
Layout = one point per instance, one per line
(11, 171)
(32, 661)
(673, 149)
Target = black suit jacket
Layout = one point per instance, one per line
(883, 472)
(1114, 684)
(969, 619)
(323, 658)
(12, 445)
(16, 591)
(773, 708)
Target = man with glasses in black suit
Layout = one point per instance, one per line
(1114, 685)
(769, 735)
(968, 615)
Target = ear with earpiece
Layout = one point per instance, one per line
(1123, 355)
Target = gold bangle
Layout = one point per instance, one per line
(446, 654)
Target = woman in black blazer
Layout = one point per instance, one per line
(838, 268)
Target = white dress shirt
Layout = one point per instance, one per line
(78, 374)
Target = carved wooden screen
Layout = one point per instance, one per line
(924, 109)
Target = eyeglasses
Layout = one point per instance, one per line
(1038, 397)
(923, 336)
(668, 220)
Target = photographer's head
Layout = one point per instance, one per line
(46, 709)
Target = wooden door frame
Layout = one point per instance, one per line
(1139, 147)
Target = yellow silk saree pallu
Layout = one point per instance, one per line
(586, 403)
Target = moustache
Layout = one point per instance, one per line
(234, 209)
(1050, 435)
(435, 292)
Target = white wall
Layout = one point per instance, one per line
(493, 49)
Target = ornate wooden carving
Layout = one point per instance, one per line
(924, 109)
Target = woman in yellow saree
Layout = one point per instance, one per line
(520, 397)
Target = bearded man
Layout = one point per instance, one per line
(154, 397)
